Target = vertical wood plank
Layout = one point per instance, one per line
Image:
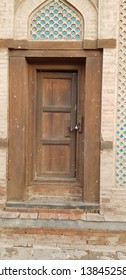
(92, 129)
(17, 127)
(80, 120)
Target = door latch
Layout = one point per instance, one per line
(77, 127)
(74, 128)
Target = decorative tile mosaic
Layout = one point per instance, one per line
(121, 103)
(56, 20)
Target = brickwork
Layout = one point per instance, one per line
(3, 93)
(107, 17)
(105, 214)
(6, 18)
(99, 23)
(48, 243)
(107, 174)
(3, 121)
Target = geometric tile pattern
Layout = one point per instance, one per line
(121, 102)
(56, 20)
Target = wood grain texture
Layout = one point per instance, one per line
(54, 94)
(86, 44)
(92, 129)
(17, 128)
(39, 117)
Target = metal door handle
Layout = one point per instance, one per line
(74, 128)
(77, 127)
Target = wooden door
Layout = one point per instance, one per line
(55, 129)
(55, 115)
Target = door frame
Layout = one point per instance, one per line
(79, 69)
(18, 71)
(35, 71)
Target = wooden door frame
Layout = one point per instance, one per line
(66, 70)
(62, 66)
(19, 61)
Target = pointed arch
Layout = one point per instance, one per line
(84, 9)
(56, 20)
(94, 5)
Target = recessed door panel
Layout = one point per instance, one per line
(56, 91)
(55, 160)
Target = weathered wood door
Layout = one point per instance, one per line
(55, 116)
(55, 129)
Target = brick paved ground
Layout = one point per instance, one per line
(30, 239)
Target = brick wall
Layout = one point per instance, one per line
(98, 23)
(108, 15)
(69, 244)
(3, 93)
(6, 18)
(3, 122)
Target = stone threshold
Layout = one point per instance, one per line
(60, 224)
(43, 205)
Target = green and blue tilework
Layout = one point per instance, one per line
(121, 103)
(56, 21)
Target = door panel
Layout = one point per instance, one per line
(54, 125)
(56, 91)
(55, 160)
